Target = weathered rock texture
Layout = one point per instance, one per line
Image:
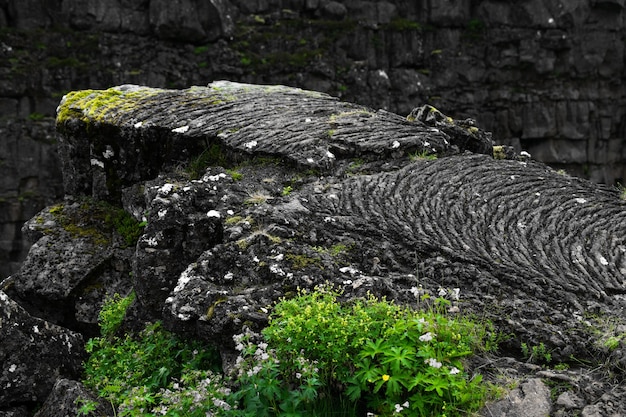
(543, 75)
(252, 191)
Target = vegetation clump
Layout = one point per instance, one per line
(317, 356)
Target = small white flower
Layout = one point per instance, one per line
(454, 370)
(298, 375)
(456, 292)
(426, 337)
(433, 362)
(250, 144)
(214, 213)
(395, 144)
(442, 292)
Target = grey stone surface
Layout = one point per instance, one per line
(33, 354)
(543, 76)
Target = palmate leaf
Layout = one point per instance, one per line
(399, 357)
(371, 349)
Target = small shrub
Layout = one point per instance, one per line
(319, 354)
(113, 312)
(154, 373)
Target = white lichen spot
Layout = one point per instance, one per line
(330, 155)
(181, 129)
(307, 120)
(35, 329)
(395, 144)
(108, 154)
(12, 368)
(230, 212)
(152, 242)
(166, 189)
(603, 260)
(213, 213)
(580, 200)
(426, 144)
(162, 213)
(251, 144)
(310, 160)
(349, 270)
(275, 269)
(524, 154)
(96, 163)
(217, 177)
(183, 280)
(229, 276)
(138, 125)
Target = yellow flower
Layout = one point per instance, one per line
(385, 377)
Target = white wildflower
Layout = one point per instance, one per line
(454, 370)
(433, 362)
(456, 293)
(426, 337)
(442, 292)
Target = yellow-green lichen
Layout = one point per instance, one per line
(96, 105)
(498, 152)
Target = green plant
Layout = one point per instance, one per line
(85, 406)
(154, 372)
(35, 116)
(210, 156)
(287, 190)
(622, 191)
(536, 353)
(126, 225)
(234, 174)
(199, 50)
(113, 312)
(422, 155)
(321, 354)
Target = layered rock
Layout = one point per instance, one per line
(249, 192)
(543, 76)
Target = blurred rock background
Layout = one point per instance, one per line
(544, 76)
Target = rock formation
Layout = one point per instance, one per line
(545, 76)
(248, 192)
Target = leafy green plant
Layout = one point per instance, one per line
(287, 190)
(319, 354)
(113, 312)
(536, 353)
(85, 406)
(155, 371)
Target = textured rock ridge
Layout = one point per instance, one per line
(248, 192)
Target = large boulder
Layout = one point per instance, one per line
(249, 192)
(33, 354)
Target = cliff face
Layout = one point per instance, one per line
(544, 76)
(214, 202)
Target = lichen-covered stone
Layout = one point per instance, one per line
(33, 354)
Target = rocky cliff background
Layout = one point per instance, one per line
(543, 75)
